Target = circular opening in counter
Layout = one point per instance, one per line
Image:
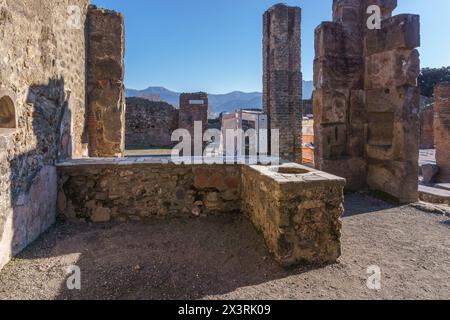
(290, 170)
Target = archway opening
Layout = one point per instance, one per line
(7, 113)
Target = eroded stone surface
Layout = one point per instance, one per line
(366, 101)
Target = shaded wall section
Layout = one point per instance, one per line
(42, 73)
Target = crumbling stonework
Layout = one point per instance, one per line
(106, 97)
(149, 124)
(282, 96)
(442, 130)
(427, 127)
(42, 73)
(296, 208)
(366, 102)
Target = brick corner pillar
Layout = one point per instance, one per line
(282, 80)
(105, 88)
(442, 130)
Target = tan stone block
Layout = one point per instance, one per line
(330, 106)
(398, 32)
(393, 68)
(399, 179)
(101, 214)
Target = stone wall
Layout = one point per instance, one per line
(296, 208)
(42, 71)
(149, 124)
(129, 190)
(442, 130)
(366, 102)
(105, 88)
(282, 80)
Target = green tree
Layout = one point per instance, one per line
(429, 77)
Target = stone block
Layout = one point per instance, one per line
(331, 106)
(337, 72)
(398, 32)
(393, 68)
(429, 173)
(398, 179)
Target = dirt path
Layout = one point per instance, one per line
(223, 257)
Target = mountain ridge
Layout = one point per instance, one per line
(225, 102)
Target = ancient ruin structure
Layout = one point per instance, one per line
(442, 130)
(149, 124)
(366, 101)
(106, 98)
(427, 127)
(282, 90)
(44, 121)
(194, 108)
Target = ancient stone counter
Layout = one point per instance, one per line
(296, 208)
(442, 130)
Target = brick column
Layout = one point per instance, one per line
(106, 97)
(283, 78)
(442, 130)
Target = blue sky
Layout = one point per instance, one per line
(216, 45)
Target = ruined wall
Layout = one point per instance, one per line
(442, 130)
(366, 101)
(282, 80)
(136, 191)
(42, 71)
(427, 127)
(105, 88)
(149, 124)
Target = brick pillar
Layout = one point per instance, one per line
(106, 97)
(193, 107)
(366, 102)
(442, 130)
(283, 78)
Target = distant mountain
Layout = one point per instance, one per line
(218, 102)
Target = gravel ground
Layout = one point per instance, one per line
(224, 258)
